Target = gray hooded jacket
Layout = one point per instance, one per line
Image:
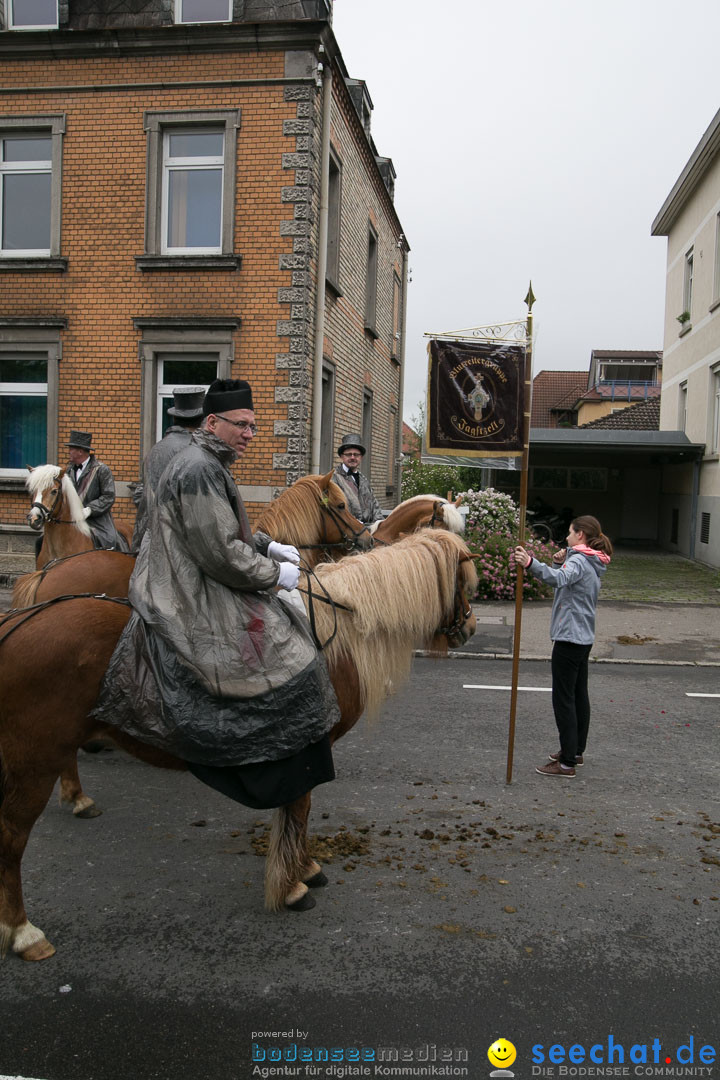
(577, 585)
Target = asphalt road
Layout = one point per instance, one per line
(459, 910)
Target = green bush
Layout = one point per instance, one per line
(419, 479)
(492, 526)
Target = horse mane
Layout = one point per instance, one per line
(294, 514)
(398, 595)
(43, 477)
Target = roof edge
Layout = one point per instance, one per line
(689, 178)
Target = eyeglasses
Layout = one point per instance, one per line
(243, 425)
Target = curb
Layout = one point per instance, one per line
(455, 655)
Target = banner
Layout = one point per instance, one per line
(475, 399)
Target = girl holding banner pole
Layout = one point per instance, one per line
(572, 629)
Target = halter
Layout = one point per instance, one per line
(462, 609)
(47, 513)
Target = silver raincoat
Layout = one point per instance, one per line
(213, 665)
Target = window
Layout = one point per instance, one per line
(704, 528)
(333, 239)
(716, 279)
(715, 407)
(327, 418)
(682, 406)
(392, 451)
(32, 14)
(30, 170)
(396, 318)
(191, 187)
(193, 11)
(371, 283)
(178, 352)
(367, 427)
(688, 281)
(28, 396)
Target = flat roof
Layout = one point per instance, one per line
(675, 442)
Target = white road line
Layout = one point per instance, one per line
(686, 695)
(482, 686)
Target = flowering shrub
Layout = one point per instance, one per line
(491, 528)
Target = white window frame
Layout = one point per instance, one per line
(190, 164)
(193, 22)
(165, 390)
(38, 341)
(715, 411)
(716, 276)
(13, 24)
(52, 126)
(688, 280)
(682, 405)
(24, 168)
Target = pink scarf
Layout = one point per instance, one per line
(585, 550)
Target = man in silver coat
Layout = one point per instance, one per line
(361, 500)
(95, 485)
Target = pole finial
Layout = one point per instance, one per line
(530, 298)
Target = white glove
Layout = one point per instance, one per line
(283, 553)
(288, 577)
(86, 512)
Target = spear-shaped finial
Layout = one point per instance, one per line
(530, 298)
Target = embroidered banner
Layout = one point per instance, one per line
(475, 399)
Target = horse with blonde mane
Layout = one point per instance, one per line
(58, 510)
(419, 512)
(393, 600)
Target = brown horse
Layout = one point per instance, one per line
(311, 514)
(419, 512)
(58, 510)
(52, 664)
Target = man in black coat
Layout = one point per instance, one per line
(95, 485)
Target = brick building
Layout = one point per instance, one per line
(190, 189)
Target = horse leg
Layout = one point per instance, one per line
(22, 799)
(71, 792)
(289, 868)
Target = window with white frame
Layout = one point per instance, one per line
(715, 407)
(682, 406)
(196, 11)
(180, 369)
(30, 176)
(191, 182)
(24, 378)
(32, 14)
(716, 279)
(688, 281)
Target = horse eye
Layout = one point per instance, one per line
(341, 506)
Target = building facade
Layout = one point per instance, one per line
(690, 219)
(190, 190)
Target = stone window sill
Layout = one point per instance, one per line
(55, 264)
(188, 262)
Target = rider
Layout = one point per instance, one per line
(214, 666)
(360, 497)
(95, 485)
(187, 414)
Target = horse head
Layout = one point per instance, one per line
(420, 512)
(54, 499)
(461, 623)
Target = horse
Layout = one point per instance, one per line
(311, 515)
(58, 510)
(384, 605)
(419, 512)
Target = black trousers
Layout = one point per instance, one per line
(570, 700)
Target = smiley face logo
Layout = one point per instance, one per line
(502, 1053)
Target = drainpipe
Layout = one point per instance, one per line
(694, 500)
(316, 430)
(401, 391)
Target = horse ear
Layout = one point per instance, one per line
(325, 480)
(458, 500)
(30, 468)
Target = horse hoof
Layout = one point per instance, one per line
(305, 903)
(41, 950)
(87, 812)
(317, 881)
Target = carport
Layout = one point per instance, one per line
(620, 476)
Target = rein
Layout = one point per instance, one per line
(35, 609)
(349, 538)
(326, 599)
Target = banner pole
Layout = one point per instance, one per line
(527, 403)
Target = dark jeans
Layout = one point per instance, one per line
(570, 700)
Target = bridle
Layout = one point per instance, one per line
(462, 609)
(349, 536)
(47, 513)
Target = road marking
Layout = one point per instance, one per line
(686, 695)
(483, 686)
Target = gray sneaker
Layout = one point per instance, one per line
(556, 757)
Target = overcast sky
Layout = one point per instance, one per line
(535, 140)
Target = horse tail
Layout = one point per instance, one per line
(284, 859)
(25, 589)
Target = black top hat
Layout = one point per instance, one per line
(187, 402)
(81, 440)
(224, 395)
(351, 440)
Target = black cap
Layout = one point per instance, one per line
(224, 395)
